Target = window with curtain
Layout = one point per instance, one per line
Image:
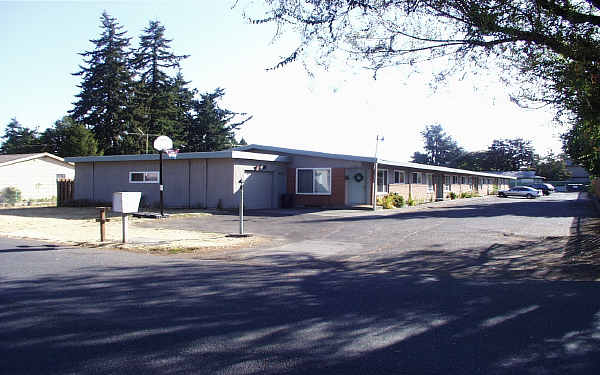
(313, 181)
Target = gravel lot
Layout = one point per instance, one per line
(78, 226)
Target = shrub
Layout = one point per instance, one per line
(398, 200)
(11, 195)
(452, 195)
(411, 202)
(466, 194)
(388, 201)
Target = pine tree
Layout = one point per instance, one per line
(212, 128)
(69, 138)
(155, 107)
(20, 140)
(103, 104)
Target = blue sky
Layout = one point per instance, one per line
(339, 110)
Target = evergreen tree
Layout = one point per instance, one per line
(69, 138)
(553, 167)
(212, 128)
(103, 104)
(440, 148)
(20, 140)
(156, 100)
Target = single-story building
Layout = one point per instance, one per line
(578, 174)
(34, 175)
(309, 178)
(522, 177)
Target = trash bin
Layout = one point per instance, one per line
(287, 200)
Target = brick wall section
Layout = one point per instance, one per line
(418, 192)
(338, 190)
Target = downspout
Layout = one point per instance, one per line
(93, 180)
(205, 183)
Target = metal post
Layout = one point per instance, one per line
(102, 224)
(242, 206)
(147, 142)
(125, 227)
(375, 187)
(160, 177)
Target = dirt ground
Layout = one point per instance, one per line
(78, 226)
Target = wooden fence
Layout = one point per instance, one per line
(64, 191)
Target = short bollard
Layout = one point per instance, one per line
(102, 220)
(125, 224)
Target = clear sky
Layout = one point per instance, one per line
(340, 110)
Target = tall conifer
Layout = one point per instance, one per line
(106, 85)
(155, 106)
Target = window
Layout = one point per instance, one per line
(417, 178)
(463, 180)
(446, 183)
(429, 178)
(61, 176)
(382, 181)
(454, 180)
(399, 177)
(313, 181)
(143, 177)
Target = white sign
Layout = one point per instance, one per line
(163, 143)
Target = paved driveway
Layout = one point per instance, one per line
(465, 296)
(456, 229)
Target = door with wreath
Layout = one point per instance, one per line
(357, 186)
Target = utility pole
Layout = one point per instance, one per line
(375, 172)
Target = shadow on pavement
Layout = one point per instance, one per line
(416, 314)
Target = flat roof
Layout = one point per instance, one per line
(443, 169)
(243, 152)
(225, 154)
(368, 160)
(316, 154)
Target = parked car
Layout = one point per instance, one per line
(575, 187)
(520, 191)
(547, 189)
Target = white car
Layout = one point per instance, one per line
(520, 191)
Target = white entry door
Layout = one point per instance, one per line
(357, 186)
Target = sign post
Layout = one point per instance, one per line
(126, 202)
(242, 206)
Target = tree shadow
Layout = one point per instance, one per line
(421, 312)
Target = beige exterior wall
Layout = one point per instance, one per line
(36, 178)
(418, 192)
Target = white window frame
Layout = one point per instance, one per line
(144, 181)
(428, 179)
(386, 180)
(313, 181)
(455, 180)
(447, 182)
(419, 178)
(403, 173)
(463, 180)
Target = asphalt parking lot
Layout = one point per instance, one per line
(467, 226)
(489, 286)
